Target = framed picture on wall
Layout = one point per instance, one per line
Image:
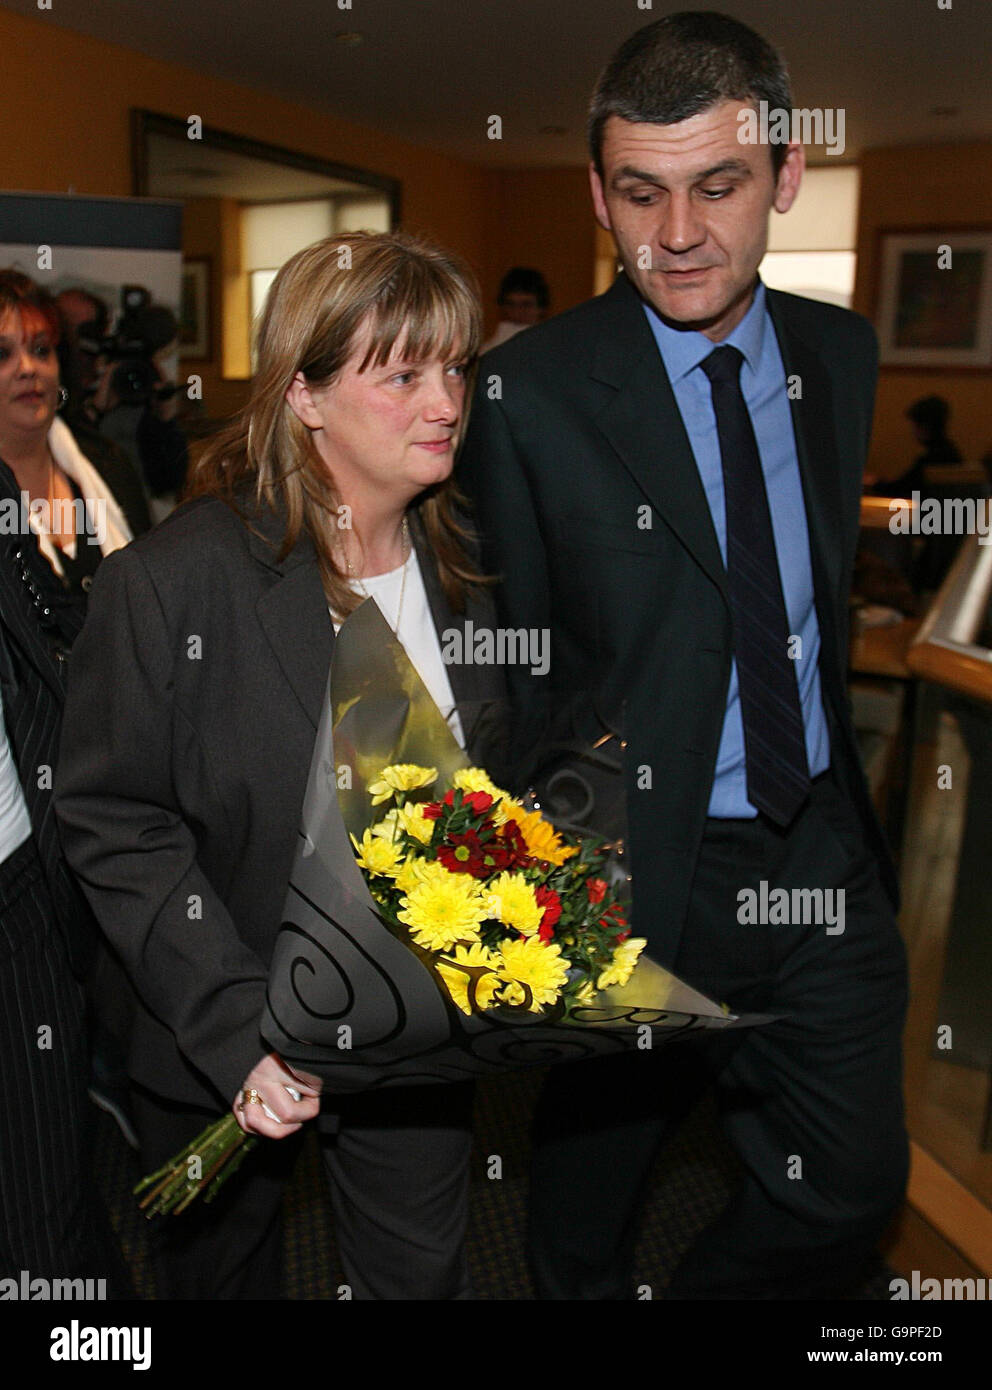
(194, 308)
(934, 305)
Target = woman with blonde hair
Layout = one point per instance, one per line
(196, 689)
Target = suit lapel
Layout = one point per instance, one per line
(293, 613)
(35, 644)
(816, 447)
(643, 424)
(17, 613)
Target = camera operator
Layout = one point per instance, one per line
(83, 313)
(135, 403)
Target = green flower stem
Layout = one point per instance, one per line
(221, 1148)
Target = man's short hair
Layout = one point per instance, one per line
(523, 280)
(682, 65)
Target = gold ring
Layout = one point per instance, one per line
(251, 1097)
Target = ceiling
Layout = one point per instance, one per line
(434, 71)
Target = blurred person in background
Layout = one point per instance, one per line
(523, 299)
(133, 399)
(85, 319)
(928, 417)
(52, 1224)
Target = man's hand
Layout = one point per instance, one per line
(269, 1081)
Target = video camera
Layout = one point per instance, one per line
(141, 330)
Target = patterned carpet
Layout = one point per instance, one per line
(691, 1186)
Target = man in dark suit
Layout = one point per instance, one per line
(669, 479)
(51, 1221)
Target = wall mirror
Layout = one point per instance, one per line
(247, 207)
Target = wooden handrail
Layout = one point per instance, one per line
(945, 650)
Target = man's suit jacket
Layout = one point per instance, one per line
(597, 523)
(195, 691)
(38, 623)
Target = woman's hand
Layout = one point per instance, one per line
(268, 1081)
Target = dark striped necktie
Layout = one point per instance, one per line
(778, 778)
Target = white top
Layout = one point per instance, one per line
(417, 633)
(104, 518)
(505, 330)
(15, 823)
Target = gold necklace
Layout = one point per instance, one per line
(407, 551)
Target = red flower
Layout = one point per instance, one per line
(614, 917)
(515, 845)
(550, 901)
(464, 854)
(596, 888)
(477, 802)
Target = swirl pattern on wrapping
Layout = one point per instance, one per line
(292, 966)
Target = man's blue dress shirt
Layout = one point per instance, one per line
(764, 386)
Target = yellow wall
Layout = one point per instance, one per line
(206, 228)
(912, 188)
(69, 98)
(541, 218)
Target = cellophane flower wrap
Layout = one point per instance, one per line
(436, 929)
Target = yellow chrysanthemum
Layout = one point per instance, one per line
(377, 855)
(543, 841)
(513, 994)
(511, 900)
(444, 910)
(415, 871)
(400, 777)
(531, 962)
(620, 969)
(413, 821)
(585, 994)
(409, 818)
(474, 779)
(388, 828)
(458, 982)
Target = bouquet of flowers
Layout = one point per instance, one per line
(510, 911)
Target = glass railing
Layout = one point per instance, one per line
(922, 683)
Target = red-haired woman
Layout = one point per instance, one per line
(66, 502)
(50, 1222)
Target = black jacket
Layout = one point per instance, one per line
(195, 692)
(38, 623)
(597, 521)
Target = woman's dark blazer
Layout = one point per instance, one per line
(195, 690)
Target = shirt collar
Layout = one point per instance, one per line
(681, 352)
